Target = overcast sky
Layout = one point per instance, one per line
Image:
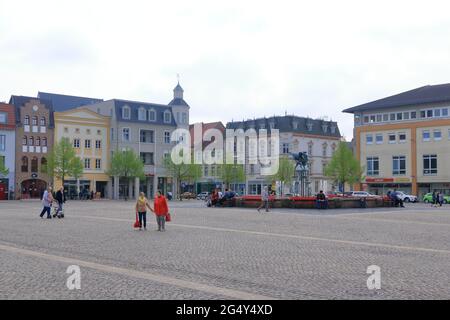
(236, 59)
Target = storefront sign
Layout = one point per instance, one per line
(406, 180)
(379, 180)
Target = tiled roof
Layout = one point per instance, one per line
(63, 102)
(287, 124)
(423, 95)
(134, 108)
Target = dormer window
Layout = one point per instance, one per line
(142, 114)
(167, 117)
(309, 126)
(126, 112)
(272, 125)
(295, 125)
(151, 115)
(333, 129)
(325, 127)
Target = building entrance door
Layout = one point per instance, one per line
(33, 188)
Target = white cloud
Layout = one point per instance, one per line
(237, 59)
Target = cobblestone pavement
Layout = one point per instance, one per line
(224, 253)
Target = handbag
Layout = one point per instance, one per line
(136, 223)
(168, 217)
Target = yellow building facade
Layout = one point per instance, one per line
(403, 141)
(89, 133)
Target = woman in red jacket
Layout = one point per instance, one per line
(161, 210)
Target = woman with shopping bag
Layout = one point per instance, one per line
(141, 212)
(161, 210)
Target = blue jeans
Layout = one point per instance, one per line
(44, 210)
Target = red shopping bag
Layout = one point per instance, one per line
(136, 223)
(168, 217)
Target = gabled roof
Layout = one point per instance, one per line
(423, 95)
(20, 101)
(62, 102)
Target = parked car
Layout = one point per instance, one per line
(428, 198)
(358, 194)
(188, 195)
(202, 195)
(333, 194)
(406, 197)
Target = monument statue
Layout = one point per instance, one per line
(302, 173)
(301, 160)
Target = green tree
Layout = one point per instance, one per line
(231, 173)
(63, 162)
(344, 167)
(286, 172)
(182, 172)
(126, 164)
(4, 171)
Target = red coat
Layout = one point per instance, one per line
(161, 208)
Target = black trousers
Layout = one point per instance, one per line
(143, 218)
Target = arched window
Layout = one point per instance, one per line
(167, 117)
(126, 114)
(151, 115)
(34, 164)
(34, 121)
(38, 141)
(44, 142)
(24, 140)
(42, 122)
(142, 114)
(44, 165)
(26, 121)
(24, 164)
(31, 141)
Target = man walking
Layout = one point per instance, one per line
(46, 203)
(61, 199)
(264, 200)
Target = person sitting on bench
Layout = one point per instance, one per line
(321, 200)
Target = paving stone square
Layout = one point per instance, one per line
(224, 253)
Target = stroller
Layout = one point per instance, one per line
(56, 212)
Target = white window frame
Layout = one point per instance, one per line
(398, 159)
(169, 114)
(152, 112)
(123, 112)
(389, 138)
(376, 138)
(400, 140)
(76, 143)
(429, 135)
(87, 143)
(142, 114)
(373, 172)
(430, 157)
(434, 135)
(165, 136)
(129, 134)
(367, 139)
